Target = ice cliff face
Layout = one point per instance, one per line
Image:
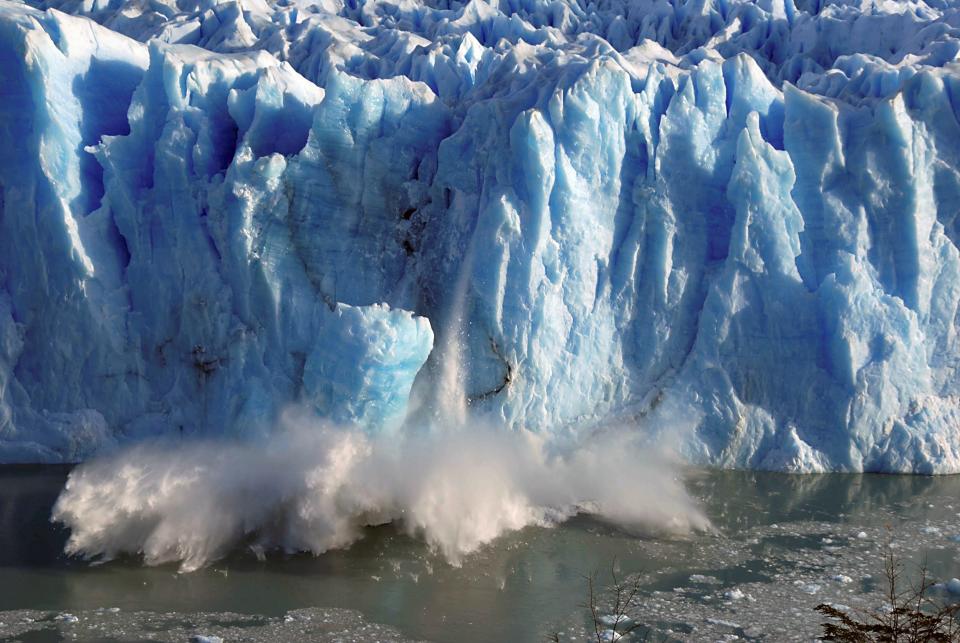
(614, 210)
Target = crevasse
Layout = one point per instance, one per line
(740, 212)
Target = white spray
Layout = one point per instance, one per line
(313, 487)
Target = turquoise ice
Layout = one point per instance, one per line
(741, 214)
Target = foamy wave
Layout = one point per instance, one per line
(313, 487)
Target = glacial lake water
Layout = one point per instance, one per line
(782, 544)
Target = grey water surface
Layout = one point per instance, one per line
(782, 544)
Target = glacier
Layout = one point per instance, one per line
(739, 212)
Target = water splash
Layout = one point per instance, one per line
(313, 487)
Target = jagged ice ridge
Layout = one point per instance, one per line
(745, 212)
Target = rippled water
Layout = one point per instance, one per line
(782, 545)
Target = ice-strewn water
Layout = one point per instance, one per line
(783, 544)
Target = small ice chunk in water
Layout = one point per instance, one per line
(612, 620)
(702, 578)
(202, 638)
(843, 579)
(717, 621)
(862, 535)
(809, 588)
(953, 585)
(735, 594)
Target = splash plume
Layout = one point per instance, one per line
(313, 487)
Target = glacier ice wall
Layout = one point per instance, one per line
(615, 210)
